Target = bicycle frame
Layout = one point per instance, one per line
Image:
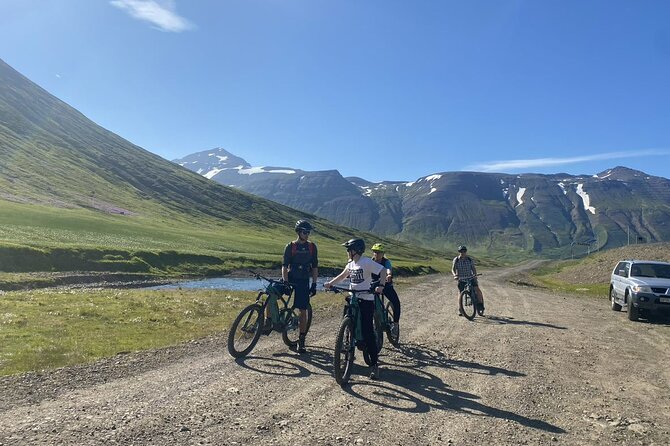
(270, 292)
(352, 309)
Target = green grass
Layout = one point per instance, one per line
(544, 276)
(45, 330)
(589, 289)
(48, 329)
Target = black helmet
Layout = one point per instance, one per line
(355, 244)
(303, 225)
(462, 248)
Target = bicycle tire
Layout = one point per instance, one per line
(366, 356)
(378, 326)
(394, 339)
(467, 305)
(343, 357)
(245, 331)
(291, 332)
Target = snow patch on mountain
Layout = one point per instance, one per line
(585, 198)
(519, 196)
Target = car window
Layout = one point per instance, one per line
(626, 268)
(620, 269)
(650, 270)
(662, 271)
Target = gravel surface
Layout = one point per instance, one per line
(538, 369)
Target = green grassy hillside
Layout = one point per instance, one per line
(74, 196)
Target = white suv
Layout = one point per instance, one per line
(643, 286)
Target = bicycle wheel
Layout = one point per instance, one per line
(392, 329)
(343, 359)
(245, 331)
(290, 317)
(309, 317)
(378, 325)
(467, 305)
(291, 320)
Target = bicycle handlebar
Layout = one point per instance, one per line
(271, 281)
(468, 278)
(339, 289)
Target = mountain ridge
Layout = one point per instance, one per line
(540, 213)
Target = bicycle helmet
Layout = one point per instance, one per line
(462, 248)
(303, 225)
(378, 247)
(355, 244)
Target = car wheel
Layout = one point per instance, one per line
(633, 312)
(615, 306)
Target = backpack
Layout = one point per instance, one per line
(294, 248)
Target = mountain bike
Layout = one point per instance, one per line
(250, 323)
(383, 321)
(467, 300)
(349, 336)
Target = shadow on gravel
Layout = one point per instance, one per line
(407, 387)
(288, 364)
(318, 357)
(512, 321)
(273, 366)
(416, 356)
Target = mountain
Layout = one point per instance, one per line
(70, 188)
(548, 214)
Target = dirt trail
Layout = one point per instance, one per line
(539, 369)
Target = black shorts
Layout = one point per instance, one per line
(461, 285)
(300, 293)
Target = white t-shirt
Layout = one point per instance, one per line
(360, 275)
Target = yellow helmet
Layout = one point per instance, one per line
(378, 247)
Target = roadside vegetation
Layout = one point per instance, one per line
(48, 329)
(591, 275)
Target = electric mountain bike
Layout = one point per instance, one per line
(349, 337)
(251, 322)
(384, 319)
(467, 300)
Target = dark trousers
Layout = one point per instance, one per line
(392, 296)
(367, 308)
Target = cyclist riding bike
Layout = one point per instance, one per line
(300, 263)
(359, 270)
(463, 267)
(389, 292)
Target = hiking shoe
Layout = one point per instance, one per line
(374, 372)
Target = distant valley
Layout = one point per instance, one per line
(553, 215)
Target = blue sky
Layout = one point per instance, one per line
(381, 89)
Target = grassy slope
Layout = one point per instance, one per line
(591, 274)
(69, 184)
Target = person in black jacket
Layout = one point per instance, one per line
(301, 262)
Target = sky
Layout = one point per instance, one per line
(379, 89)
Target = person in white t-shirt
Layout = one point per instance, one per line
(359, 270)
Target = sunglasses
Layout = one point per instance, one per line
(305, 232)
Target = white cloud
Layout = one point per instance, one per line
(161, 13)
(500, 166)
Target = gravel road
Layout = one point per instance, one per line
(540, 368)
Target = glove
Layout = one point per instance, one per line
(286, 288)
(312, 289)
